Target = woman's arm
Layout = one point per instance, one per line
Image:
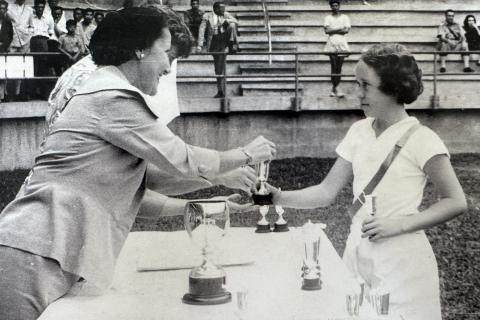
(320, 195)
(452, 203)
(342, 30)
(155, 205)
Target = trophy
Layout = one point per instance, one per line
(206, 222)
(280, 225)
(261, 196)
(262, 225)
(311, 265)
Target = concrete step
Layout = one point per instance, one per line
(257, 2)
(262, 68)
(256, 15)
(244, 30)
(282, 89)
(263, 46)
(381, 33)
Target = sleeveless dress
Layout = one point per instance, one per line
(404, 265)
(337, 42)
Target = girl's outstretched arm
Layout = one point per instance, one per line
(320, 195)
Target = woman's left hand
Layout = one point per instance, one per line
(377, 228)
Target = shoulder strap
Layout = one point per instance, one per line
(377, 177)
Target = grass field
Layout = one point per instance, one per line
(456, 244)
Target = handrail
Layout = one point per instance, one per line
(268, 26)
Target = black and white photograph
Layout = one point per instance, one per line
(239, 160)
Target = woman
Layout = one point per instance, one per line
(390, 250)
(80, 202)
(336, 26)
(472, 35)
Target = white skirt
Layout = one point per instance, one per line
(405, 266)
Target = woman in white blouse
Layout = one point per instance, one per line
(336, 26)
(390, 250)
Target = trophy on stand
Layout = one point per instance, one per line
(206, 222)
(280, 225)
(261, 196)
(311, 265)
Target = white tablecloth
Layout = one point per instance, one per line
(273, 282)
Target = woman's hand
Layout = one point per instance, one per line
(276, 193)
(233, 205)
(377, 228)
(260, 149)
(240, 178)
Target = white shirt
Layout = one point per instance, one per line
(42, 26)
(20, 16)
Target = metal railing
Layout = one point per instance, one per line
(297, 77)
(268, 28)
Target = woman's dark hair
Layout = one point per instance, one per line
(465, 21)
(333, 1)
(122, 32)
(398, 71)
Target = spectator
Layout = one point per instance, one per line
(193, 17)
(336, 25)
(6, 36)
(99, 16)
(451, 38)
(71, 44)
(20, 14)
(60, 29)
(86, 27)
(218, 31)
(43, 29)
(56, 12)
(472, 35)
(78, 15)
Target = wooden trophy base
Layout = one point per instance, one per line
(311, 284)
(280, 227)
(263, 228)
(207, 291)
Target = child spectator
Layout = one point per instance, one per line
(193, 17)
(451, 38)
(472, 35)
(71, 44)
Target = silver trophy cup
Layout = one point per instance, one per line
(206, 222)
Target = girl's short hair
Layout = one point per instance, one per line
(399, 73)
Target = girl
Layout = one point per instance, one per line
(390, 250)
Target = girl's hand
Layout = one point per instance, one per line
(378, 228)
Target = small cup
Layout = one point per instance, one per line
(353, 303)
(380, 303)
(242, 303)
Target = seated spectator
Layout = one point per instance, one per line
(86, 27)
(193, 17)
(218, 31)
(71, 44)
(43, 30)
(99, 16)
(6, 36)
(451, 38)
(472, 35)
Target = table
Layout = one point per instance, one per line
(273, 283)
